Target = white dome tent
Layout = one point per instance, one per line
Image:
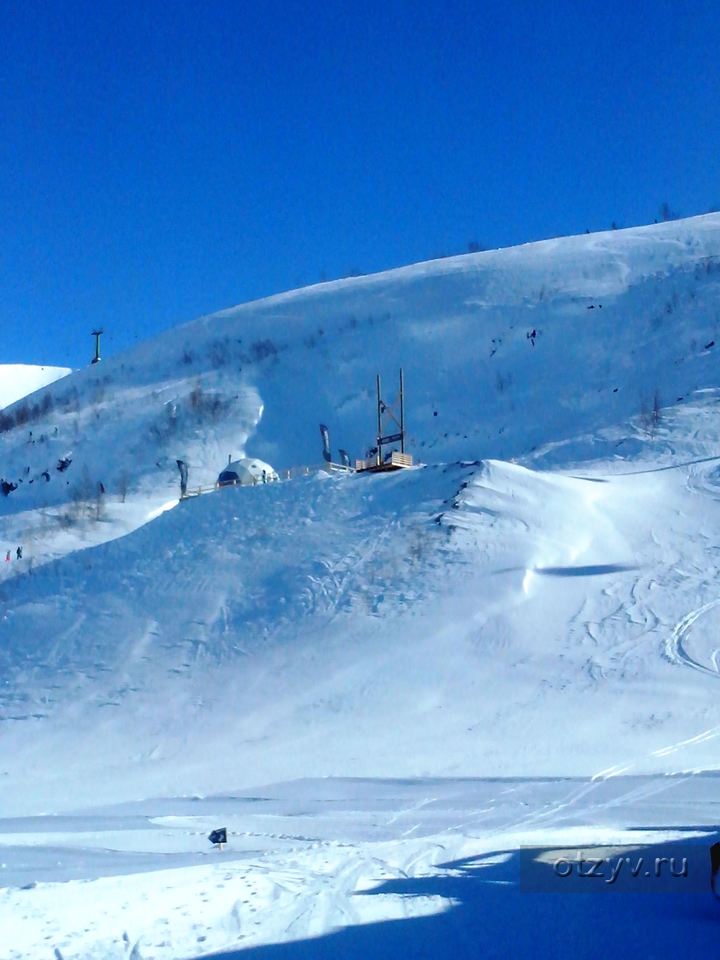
(246, 473)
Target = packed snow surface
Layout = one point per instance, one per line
(512, 643)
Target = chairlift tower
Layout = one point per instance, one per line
(97, 334)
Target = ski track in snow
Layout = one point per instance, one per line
(676, 649)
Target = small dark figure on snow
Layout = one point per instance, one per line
(7, 557)
(18, 553)
(531, 336)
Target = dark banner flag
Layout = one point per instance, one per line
(182, 467)
(325, 434)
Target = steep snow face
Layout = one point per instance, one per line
(479, 618)
(503, 351)
(18, 380)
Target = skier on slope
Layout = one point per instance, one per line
(7, 557)
(18, 553)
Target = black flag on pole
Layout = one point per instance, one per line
(325, 434)
(182, 467)
(218, 837)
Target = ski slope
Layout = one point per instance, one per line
(310, 618)
(527, 617)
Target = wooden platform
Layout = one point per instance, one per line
(397, 461)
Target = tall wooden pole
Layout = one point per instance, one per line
(402, 412)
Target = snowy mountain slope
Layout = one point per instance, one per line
(618, 317)
(410, 624)
(18, 380)
(262, 376)
(539, 600)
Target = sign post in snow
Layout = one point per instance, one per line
(218, 837)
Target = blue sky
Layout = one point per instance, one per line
(159, 160)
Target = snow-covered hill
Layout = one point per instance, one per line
(18, 380)
(537, 599)
(618, 318)
(419, 623)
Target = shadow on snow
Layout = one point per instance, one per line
(489, 913)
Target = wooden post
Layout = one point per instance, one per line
(402, 412)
